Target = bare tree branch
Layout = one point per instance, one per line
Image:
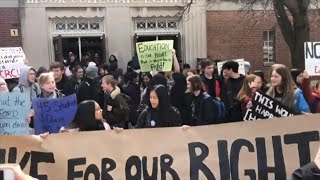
(284, 23)
(185, 10)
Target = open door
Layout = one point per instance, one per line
(104, 49)
(58, 49)
(135, 40)
(177, 46)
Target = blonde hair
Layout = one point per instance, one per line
(245, 89)
(44, 77)
(110, 80)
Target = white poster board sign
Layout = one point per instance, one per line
(11, 60)
(312, 58)
(241, 69)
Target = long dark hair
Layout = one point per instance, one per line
(85, 117)
(178, 90)
(294, 74)
(157, 79)
(163, 109)
(114, 57)
(142, 79)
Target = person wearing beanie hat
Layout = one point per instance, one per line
(92, 71)
(89, 89)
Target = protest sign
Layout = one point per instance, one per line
(155, 55)
(241, 69)
(312, 58)
(270, 149)
(265, 107)
(52, 114)
(14, 108)
(11, 60)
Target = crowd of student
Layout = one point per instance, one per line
(109, 99)
(157, 99)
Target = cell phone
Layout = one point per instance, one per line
(6, 174)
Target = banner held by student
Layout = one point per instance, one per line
(52, 114)
(270, 149)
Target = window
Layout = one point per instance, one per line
(156, 25)
(71, 25)
(268, 46)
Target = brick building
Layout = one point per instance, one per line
(256, 37)
(48, 31)
(10, 25)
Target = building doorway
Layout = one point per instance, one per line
(80, 46)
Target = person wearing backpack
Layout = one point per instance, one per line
(131, 93)
(231, 88)
(204, 110)
(28, 86)
(211, 85)
(115, 109)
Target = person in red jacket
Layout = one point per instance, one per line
(315, 99)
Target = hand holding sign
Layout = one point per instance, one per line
(265, 107)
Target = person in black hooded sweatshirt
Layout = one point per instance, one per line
(159, 113)
(177, 94)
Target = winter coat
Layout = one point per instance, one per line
(88, 90)
(113, 66)
(65, 86)
(300, 102)
(207, 111)
(145, 120)
(120, 109)
(54, 95)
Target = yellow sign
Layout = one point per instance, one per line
(14, 32)
(155, 55)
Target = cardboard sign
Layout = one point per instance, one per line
(265, 107)
(52, 114)
(241, 69)
(312, 58)
(270, 149)
(14, 108)
(155, 55)
(11, 60)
